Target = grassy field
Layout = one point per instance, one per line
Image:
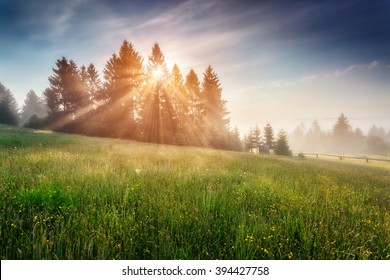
(73, 197)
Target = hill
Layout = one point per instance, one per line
(74, 197)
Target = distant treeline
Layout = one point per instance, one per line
(138, 101)
(342, 139)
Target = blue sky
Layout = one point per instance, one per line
(279, 61)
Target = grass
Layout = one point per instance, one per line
(73, 197)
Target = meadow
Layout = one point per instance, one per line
(74, 197)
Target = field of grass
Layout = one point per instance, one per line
(73, 197)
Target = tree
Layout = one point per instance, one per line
(297, 138)
(378, 132)
(33, 105)
(8, 107)
(181, 107)
(342, 134)
(256, 138)
(376, 145)
(157, 113)
(215, 112)
(268, 137)
(196, 109)
(281, 147)
(342, 128)
(66, 98)
(94, 83)
(253, 139)
(121, 96)
(195, 94)
(235, 143)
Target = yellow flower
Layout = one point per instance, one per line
(249, 238)
(35, 218)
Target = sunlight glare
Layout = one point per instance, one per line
(157, 73)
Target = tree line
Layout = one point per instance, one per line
(265, 142)
(134, 100)
(342, 139)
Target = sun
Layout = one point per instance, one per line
(157, 73)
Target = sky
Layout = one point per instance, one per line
(278, 61)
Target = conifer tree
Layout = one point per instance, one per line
(181, 107)
(8, 107)
(342, 128)
(281, 146)
(342, 132)
(235, 141)
(33, 105)
(66, 97)
(123, 76)
(215, 112)
(253, 139)
(195, 95)
(256, 138)
(158, 113)
(269, 138)
(94, 82)
(196, 108)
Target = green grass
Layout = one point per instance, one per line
(73, 197)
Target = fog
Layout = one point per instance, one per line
(342, 139)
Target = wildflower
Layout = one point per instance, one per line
(35, 218)
(249, 238)
(290, 255)
(137, 170)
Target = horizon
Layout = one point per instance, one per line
(280, 62)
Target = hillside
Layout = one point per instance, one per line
(74, 197)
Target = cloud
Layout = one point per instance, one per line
(354, 68)
(309, 78)
(373, 64)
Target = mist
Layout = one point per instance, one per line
(342, 139)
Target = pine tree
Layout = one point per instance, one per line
(342, 133)
(181, 107)
(235, 143)
(94, 82)
(158, 113)
(121, 96)
(281, 147)
(33, 105)
(195, 95)
(66, 97)
(131, 78)
(178, 93)
(8, 107)
(268, 137)
(342, 128)
(196, 109)
(215, 112)
(248, 140)
(256, 138)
